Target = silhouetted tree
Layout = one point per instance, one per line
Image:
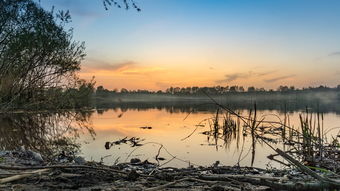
(233, 89)
(123, 90)
(251, 89)
(283, 88)
(36, 53)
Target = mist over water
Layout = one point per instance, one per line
(322, 101)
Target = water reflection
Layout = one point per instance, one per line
(192, 105)
(183, 138)
(47, 133)
(197, 137)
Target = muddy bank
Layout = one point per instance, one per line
(26, 170)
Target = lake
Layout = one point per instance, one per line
(169, 129)
(183, 135)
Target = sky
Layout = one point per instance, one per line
(264, 43)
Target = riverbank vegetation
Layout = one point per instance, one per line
(39, 59)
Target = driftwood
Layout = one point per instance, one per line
(178, 181)
(21, 176)
(264, 181)
(230, 178)
(324, 182)
(61, 166)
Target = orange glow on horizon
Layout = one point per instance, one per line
(173, 72)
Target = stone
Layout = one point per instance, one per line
(135, 160)
(79, 160)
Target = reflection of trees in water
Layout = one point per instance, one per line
(207, 105)
(47, 133)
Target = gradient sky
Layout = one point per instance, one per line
(264, 43)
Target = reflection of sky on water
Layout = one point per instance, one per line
(169, 129)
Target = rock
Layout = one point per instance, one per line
(4, 153)
(22, 148)
(107, 145)
(135, 160)
(133, 175)
(79, 160)
(165, 176)
(36, 156)
(216, 163)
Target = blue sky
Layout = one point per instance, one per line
(265, 43)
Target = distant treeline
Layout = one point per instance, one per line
(214, 90)
(323, 99)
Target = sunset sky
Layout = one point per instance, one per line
(263, 43)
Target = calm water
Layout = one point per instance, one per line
(169, 129)
(50, 132)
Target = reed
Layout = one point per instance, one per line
(308, 142)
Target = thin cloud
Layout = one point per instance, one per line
(128, 68)
(103, 66)
(114, 67)
(143, 71)
(232, 77)
(334, 54)
(236, 76)
(279, 78)
(266, 73)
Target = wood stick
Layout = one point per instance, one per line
(178, 181)
(60, 166)
(218, 176)
(275, 185)
(300, 166)
(21, 176)
(307, 170)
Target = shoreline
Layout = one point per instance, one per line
(26, 170)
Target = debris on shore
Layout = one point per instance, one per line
(25, 170)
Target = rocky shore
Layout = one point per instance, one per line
(26, 170)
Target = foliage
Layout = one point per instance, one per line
(38, 57)
(121, 3)
(219, 90)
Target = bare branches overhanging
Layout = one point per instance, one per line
(36, 54)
